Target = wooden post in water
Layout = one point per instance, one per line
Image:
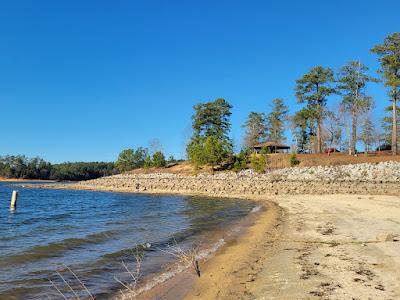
(14, 197)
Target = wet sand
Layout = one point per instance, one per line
(223, 274)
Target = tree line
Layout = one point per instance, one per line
(20, 166)
(314, 126)
(130, 159)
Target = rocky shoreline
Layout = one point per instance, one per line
(372, 179)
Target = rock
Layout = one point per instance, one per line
(358, 179)
(391, 237)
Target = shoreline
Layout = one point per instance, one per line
(336, 246)
(223, 239)
(4, 179)
(232, 271)
(240, 247)
(330, 240)
(286, 188)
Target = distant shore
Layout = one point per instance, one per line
(328, 232)
(5, 179)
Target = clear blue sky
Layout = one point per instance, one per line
(81, 80)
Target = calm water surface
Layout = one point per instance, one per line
(92, 232)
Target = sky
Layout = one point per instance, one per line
(82, 80)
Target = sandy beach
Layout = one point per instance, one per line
(340, 241)
(5, 179)
(336, 247)
(305, 247)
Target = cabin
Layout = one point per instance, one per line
(272, 147)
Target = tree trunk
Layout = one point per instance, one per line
(366, 148)
(348, 139)
(319, 137)
(353, 132)
(394, 125)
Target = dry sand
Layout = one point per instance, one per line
(305, 247)
(5, 179)
(333, 247)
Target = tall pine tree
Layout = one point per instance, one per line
(389, 53)
(276, 120)
(314, 88)
(210, 143)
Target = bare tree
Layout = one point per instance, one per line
(368, 134)
(333, 130)
(155, 145)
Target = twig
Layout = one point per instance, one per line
(58, 290)
(84, 286)
(135, 275)
(189, 256)
(72, 290)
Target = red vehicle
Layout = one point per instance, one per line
(331, 150)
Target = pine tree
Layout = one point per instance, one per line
(303, 124)
(389, 53)
(313, 89)
(387, 124)
(276, 120)
(210, 143)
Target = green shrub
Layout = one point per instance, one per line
(195, 153)
(294, 161)
(239, 165)
(130, 159)
(147, 162)
(259, 162)
(241, 160)
(209, 150)
(265, 150)
(158, 160)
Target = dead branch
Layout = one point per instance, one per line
(189, 256)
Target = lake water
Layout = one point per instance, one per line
(92, 232)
